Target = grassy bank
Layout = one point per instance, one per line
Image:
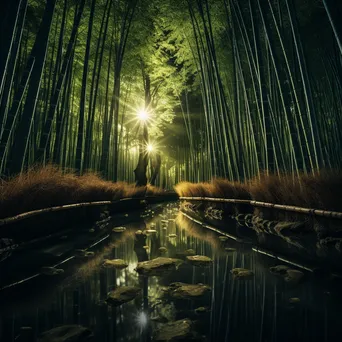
(46, 187)
(319, 191)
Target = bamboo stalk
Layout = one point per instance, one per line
(28, 214)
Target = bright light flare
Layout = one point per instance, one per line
(149, 148)
(141, 319)
(143, 115)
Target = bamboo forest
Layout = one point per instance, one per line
(170, 170)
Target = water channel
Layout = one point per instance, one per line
(262, 307)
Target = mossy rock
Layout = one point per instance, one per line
(180, 290)
(158, 266)
(162, 250)
(242, 273)
(202, 310)
(175, 331)
(199, 260)
(119, 229)
(122, 294)
(223, 238)
(279, 270)
(293, 276)
(115, 263)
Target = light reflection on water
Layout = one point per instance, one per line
(257, 309)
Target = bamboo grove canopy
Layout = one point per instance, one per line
(233, 87)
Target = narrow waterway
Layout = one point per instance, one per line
(261, 307)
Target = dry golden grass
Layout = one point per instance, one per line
(49, 186)
(321, 190)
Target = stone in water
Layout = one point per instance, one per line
(115, 263)
(122, 294)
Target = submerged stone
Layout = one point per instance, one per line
(279, 270)
(51, 271)
(115, 263)
(289, 275)
(122, 294)
(162, 250)
(66, 333)
(240, 273)
(294, 300)
(158, 266)
(179, 330)
(223, 238)
(293, 276)
(119, 229)
(202, 310)
(199, 260)
(187, 291)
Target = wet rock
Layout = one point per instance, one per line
(66, 333)
(91, 230)
(164, 228)
(119, 229)
(239, 273)
(293, 276)
(289, 275)
(115, 263)
(279, 270)
(122, 294)
(199, 260)
(223, 238)
(158, 266)
(147, 248)
(162, 250)
(294, 300)
(202, 310)
(164, 221)
(179, 330)
(187, 291)
(51, 271)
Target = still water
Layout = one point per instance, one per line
(263, 307)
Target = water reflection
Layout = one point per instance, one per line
(260, 308)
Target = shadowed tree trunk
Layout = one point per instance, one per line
(156, 168)
(81, 118)
(140, 171)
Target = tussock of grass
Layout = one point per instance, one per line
(320, 191)
(49, 186)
